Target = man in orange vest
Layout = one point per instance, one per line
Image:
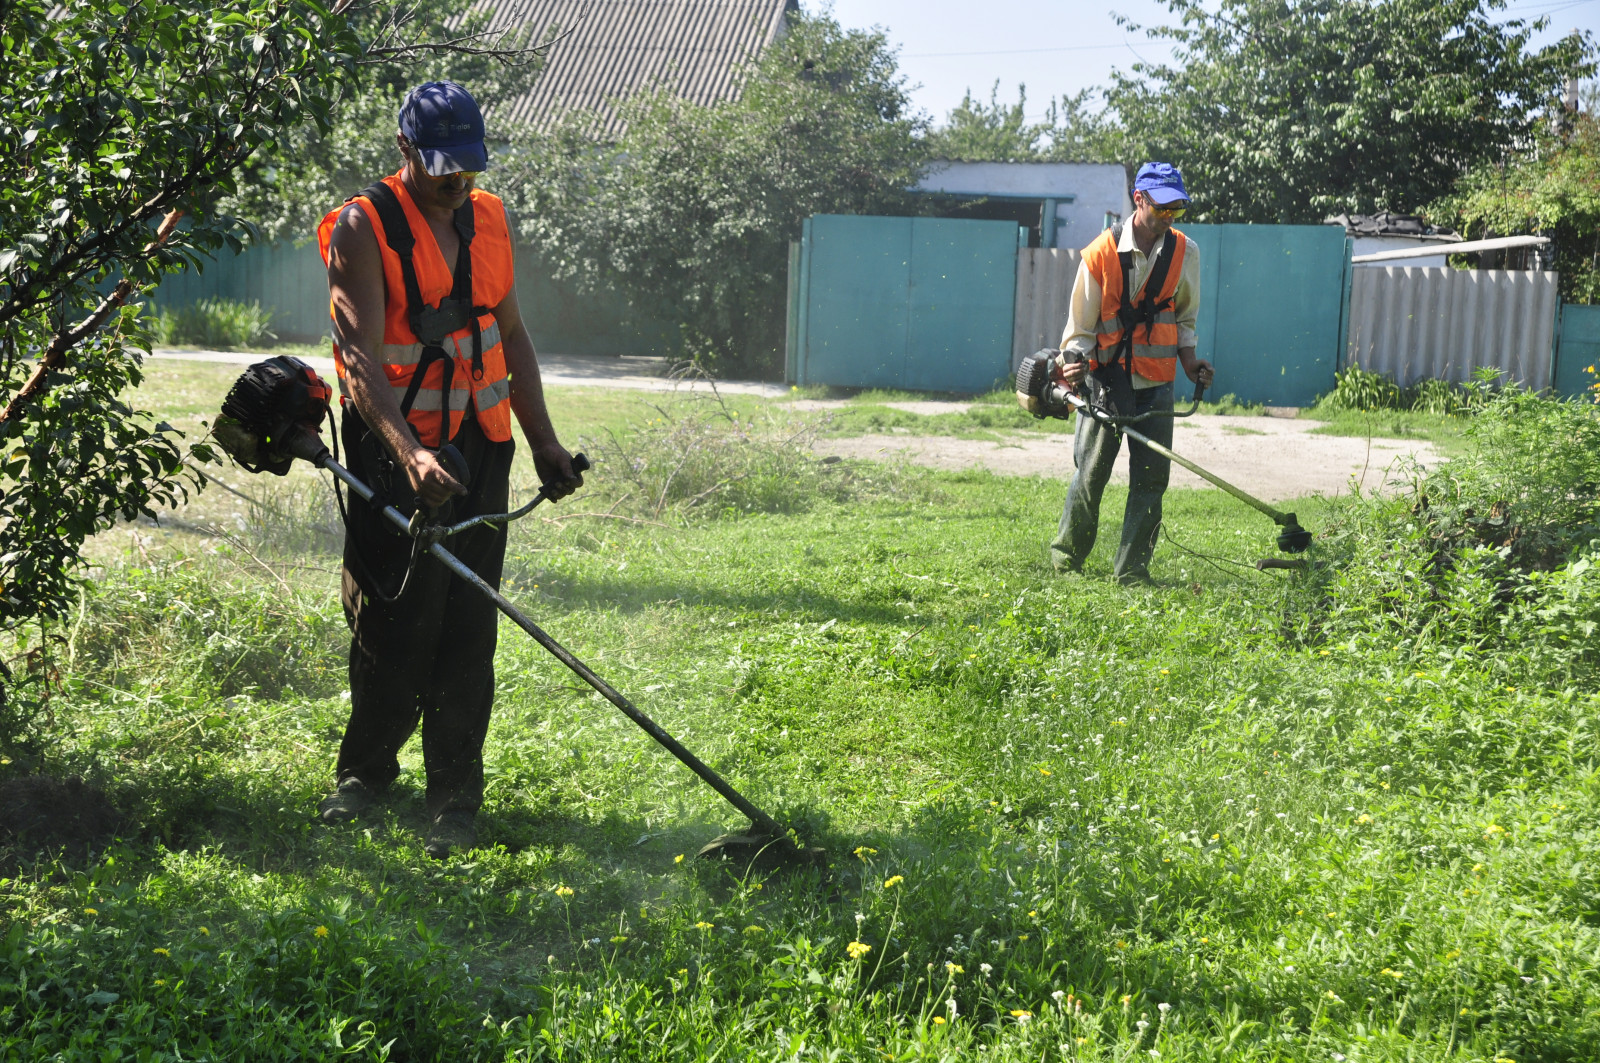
(430, 349)
(1131, 324)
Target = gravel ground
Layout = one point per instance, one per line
(1271, 457)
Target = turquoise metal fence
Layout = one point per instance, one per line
(292, 282)
(1274, 307)
(928, 304)
(1577, 348)
(919, 303)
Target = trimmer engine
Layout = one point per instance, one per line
(1038, 391)
(273, 414)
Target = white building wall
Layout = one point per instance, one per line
(1086, 191)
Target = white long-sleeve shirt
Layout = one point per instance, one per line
(1084, 312)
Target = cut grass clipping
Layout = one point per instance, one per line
(1236, 817)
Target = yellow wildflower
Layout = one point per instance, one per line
(619, 939)
(955, 968)
(1022, 937)
(1045, 771)
(161, 981)
(1020, 1015)
(678, 859)
(91, 911)
(1493, 828)
(893, 881)
(1127, 999)
(1205, 941)
(857, 950)
(753, 929)
(703, 925)
(1392, 973)
(161, 952)
(204, 932)
(1122, 944)
(1363, 818)
(865, 851)
(1214, 837)
(938, 1020)
(563, 891)
(320, 932)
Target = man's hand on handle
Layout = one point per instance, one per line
(430, 480)
(557, 477)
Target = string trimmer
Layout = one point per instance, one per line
(273, 414)
(1041, 394)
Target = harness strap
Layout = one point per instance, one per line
(1145, 310)
(432, 325)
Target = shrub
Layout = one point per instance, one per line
(1492, 551)
(1359, 389)
(215, 323)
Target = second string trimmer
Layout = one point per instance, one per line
(1043, 395)
(273, 414)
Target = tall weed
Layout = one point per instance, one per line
(215, 323)
(707, 460)
(202, 628)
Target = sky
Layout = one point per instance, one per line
(1057, 46)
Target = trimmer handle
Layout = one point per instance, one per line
(454, 464)
(580, 465)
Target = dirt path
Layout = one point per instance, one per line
(1273, 458)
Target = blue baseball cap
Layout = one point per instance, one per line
(442, 121)
(1162, 182)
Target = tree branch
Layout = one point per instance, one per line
(56, 354)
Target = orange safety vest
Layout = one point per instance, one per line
(479, 381)
(1155, 346)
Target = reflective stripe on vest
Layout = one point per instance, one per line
(1155, 349)
(400, 352)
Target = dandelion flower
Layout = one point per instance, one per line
(1033, 914)
(1045, 771)
(1493, 828)
(938, 1020)
(1205, 941)
(320, 932)
(1127, 998)
(893, 881)
(678, 859)
(1363, 818)
(703, 925)
(161, 952)
(91, 911)
(857, 950)
(1022, 937)
(161, 981)
(204, 932)
(1214, 837)
(1020, 1015)
(1392, 973)
(1121, 945)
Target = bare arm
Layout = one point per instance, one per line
(355, 281)
(550, 459)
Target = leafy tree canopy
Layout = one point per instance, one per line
(114, 116)
(1000, 132)
(285, 190)
(691, 211)
(1553, 190)
(1290, 110)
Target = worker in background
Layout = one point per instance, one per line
(1145, 335)
(430, 349)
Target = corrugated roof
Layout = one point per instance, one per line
(617, 48)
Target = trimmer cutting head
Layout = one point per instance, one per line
(759, 849)
(1293, 539)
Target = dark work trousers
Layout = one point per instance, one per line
(1094, 450)
(429, 656)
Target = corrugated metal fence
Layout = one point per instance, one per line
(1417, 323)
(1044, 293)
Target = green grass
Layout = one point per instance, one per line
(1100, 821)
(1444, 432)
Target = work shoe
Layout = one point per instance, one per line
(451, 830)
(346, 803)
